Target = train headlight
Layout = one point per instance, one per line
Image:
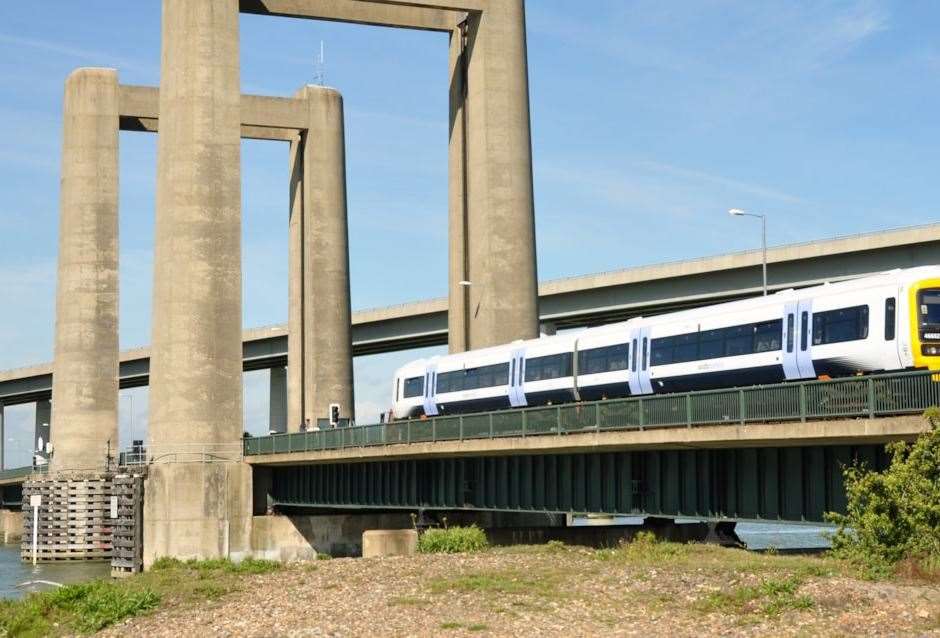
(931, 351)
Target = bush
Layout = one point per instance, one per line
(452, 540)
(894, 515)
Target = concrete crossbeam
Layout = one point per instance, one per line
(427, 16)
(85, 380)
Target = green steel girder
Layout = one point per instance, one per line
(780, 484)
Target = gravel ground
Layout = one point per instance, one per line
(552, 591)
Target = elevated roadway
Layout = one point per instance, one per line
(576, 301)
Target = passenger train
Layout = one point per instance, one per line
(884, 322)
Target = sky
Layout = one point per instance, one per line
(649, 121)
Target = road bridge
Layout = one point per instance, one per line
(573, 302)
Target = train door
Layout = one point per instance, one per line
(894, 357)
(643, 343)
(430, 390)
(517, 379)
(791, 346)
(804, 354)
(633, 365)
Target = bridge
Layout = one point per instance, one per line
(771, 452)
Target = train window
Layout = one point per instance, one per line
(890, 318)
(790, 326)
(634, 354)
(838, 326)
(804, 329)
(512, 373)
(929, 307)
(645, 359)
(553, 366)
(414, 387)
(733, 341)
(397, 388)
(767, 336)
(607, 359)
(473, 378)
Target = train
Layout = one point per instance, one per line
(884, 322)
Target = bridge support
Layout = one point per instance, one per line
(85, 371)
(277, 409)
(195, 505)
(492, 211)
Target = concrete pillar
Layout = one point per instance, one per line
(277, 409)
(295, 312)
(85, 370)
(503, 303)
(3, 439)
(328, 367)
(43, 428)
(457, 317)
(193, 506)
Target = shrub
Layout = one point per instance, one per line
(894, 515)
(452, 540)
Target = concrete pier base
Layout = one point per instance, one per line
(377, 543)
(11, 526)
(302, 537)
(197, 510)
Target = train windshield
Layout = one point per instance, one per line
(930, 307)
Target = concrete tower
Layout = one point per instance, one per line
(198, 501)
(85, 371)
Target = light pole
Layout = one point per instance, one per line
(737, 212)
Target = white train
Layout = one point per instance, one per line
(889, 321)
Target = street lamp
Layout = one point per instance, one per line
(737, 212)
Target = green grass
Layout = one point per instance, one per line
(473, 627)
(544, 584)
(771, 598)
(82, 608)
(452, 540)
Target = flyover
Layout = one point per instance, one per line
(574, 302)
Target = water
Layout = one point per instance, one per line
(13, 572)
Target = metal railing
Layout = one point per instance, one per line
(867, 397)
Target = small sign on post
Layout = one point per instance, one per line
(35, 500)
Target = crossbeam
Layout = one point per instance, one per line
(424, 15)
(266, 118)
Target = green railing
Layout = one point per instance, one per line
(869, 397)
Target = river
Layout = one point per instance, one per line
(14, 572)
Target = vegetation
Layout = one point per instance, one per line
(893, 517)
(88, 607)
(452, 540)
(84, 608)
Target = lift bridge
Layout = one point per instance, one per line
(763, 453)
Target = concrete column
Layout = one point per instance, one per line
(85, 370)
(277, 410)
(3, 439)
(500, 219)
(295, 320)
(43, 428)
(328, 368)
(457, 319)
(193, 508)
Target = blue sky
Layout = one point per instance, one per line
(649, 120)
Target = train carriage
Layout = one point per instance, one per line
(883, 322)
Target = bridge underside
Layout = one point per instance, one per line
(793, 484)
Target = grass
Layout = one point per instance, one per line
(543, 584)
(473, 627)
(88, 607)
(452, 540)
(771, 598)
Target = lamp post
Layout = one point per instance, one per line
(737, 212)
